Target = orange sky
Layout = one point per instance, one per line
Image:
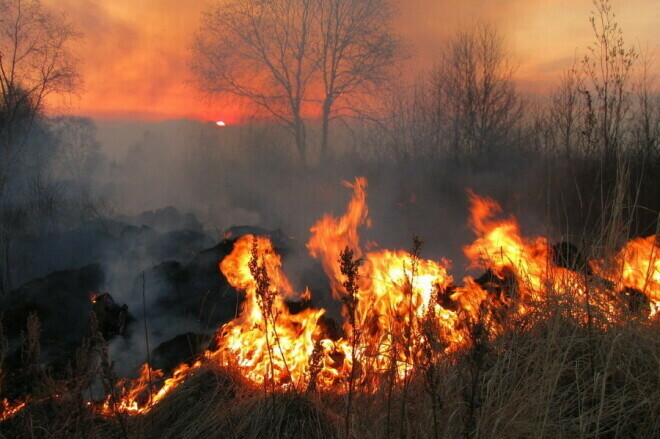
(134, 53)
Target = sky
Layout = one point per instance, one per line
(135, 54)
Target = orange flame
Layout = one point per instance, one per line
(140, 395)
(398, 294)
(331, 235)
(636, 266)
(262, 346)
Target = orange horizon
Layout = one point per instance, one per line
(134, 56)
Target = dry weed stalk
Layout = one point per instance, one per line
(349, 268)
(266, 301)
(108, 375)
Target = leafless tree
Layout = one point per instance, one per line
(77, 148)
(566, 111)
(355, 48)
(260, 50)
(35, 61)
(296, 58)
(646, 120)
(407, 127)
(608, 67)
(475, 92)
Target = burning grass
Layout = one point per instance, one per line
(553, 378)
(534, 347)
(547, 375)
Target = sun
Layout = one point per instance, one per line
(220, 123)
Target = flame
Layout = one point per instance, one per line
(640, 266)
(403, 303)
(635, 266)
(267, 344)
(500, 247)
(331, 235)
(140, 395)
(394, 287)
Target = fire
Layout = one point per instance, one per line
(266, 341)
(139, 395)
(500, 247)
(395, 287)
(331, 235)
(640, 266)
(636, 267)
(401, 304)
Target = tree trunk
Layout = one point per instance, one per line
(325, 127)
(301, 143)
(4, 171)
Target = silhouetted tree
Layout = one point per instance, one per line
(260, 50)
(77, 149)
(476, 94)
(646, 122)
(566, 112)
(608, 67)
(35, 61)
(355, 48)
(294, 58)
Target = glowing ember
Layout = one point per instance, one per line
(10, 409)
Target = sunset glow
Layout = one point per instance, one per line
(135, 56)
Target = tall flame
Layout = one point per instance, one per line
(331, 235)
(499, 246)
(278, 345)
(401, 303)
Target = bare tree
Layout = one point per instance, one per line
(646, 120)
(608, 67)
(566, 111)
(295, 58)
(476, 93)
(355, 47)
(407, 128)
(78, 147)
(35, 61)
(260, 50)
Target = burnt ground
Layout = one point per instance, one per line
(159, 265)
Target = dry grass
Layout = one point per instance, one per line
(200, 407)
(551, 373)
(553, 378)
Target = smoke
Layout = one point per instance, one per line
(249, 175)
(174, 187)
(156, 198)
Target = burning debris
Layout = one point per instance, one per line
(112, 318)
(395, 304)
